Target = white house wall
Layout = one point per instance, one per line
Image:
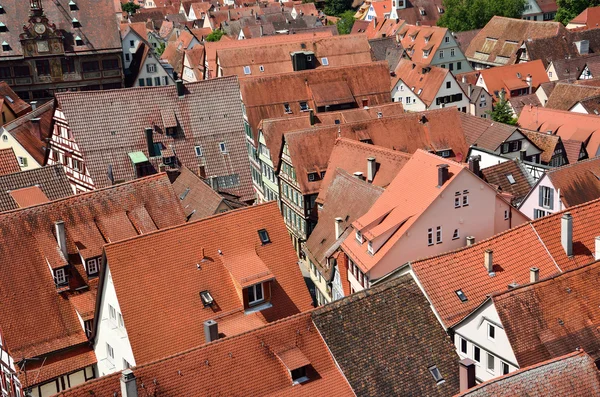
(532, 201)
(453, 90)
(447, 59)
(8, 141)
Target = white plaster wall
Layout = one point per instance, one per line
(578, 108)
(160, 72)
(532, 201)
(448, 58)
(7, 141)
(399, 94)
(454, 89)
(128, 49)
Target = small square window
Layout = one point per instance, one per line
(299, 375)
(461, 295)
(255, 294)
(151, 68)
(131, 43)
(92, 266)
(448, 84)
(198, 151)
(247, 70)
(222, 147)
(264, 236)
(324, 61)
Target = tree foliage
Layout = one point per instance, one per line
(215, 35)
(160, 49)
(461, 15)
(130, 7)
(569, 9)
(337, 7)
(344, 24)
(502, 113)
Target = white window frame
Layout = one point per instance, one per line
(255, 288)
(506, 214)
(22, 161)
(441, 54)
(465, 201)
(438, 235)
(491, 327)
(456, 234)
(457, 202)
(222, 147)
(546, 197)
(475, 348)
(110, 353)
(502, 365)
(324, 61)
(261, 68)
(359, 236)
(60, 275)
(370, 247)
(430, 236)
(198, 151)
(247, 70)
(151, 68)
(112, 313)
(92, 263)
(120, 320)
(491, 370)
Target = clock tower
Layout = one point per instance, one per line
(40, 37)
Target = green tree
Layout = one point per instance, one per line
(337, 7)
(215, 35)
(160, 49)
(569, 9)
(461, 15)
(130, 7)
(344, 24)
(502, 113)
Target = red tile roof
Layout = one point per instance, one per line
(568, 125)
(575, 150)
(8, 162)
(513, 77)
(424, 81)
(28, 196)
(560, 315)
(546, 142)
(209, 113)
(415, 39)
(253, 363)
(590, 17)
(536, 243)
(351, 156)
(36, 320)
(518, 188)
(235, 234)
(578, 182)
(18, 106)
(573, 374)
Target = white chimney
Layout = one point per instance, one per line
(534, 275)
(583, 47)
(211, 331)
(128, 385)
(597, 253)
(528, 80)
(61, 238)
(464, 79)
(371, 169)
(470, 240)
(488, 259)
(566, 233)
(338, 227)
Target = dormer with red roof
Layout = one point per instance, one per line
(432, 205)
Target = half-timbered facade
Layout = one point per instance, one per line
(9, 382)
(59, 46)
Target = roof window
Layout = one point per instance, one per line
(303, 106)
(511, 179)
(264, 236)
(198, 150)
(261, 68)
(3, 27)
(78, 41)
(324, 61)
(72, 5)
(286, 106)
(207, 298)
(5, 46)
(76, 23)
(247, 70)
(461, 295)
(299, 375)
(437, 376)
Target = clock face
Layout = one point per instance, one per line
(39, 28)
(42, 46)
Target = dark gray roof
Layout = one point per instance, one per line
(386, 49)
(51, 180)
(386, 339)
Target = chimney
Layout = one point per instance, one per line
(179, 85)
(464, 79)
(33, 105)
(597, 253)
(61, 238)
(371, 169)
(534, 275)
(488, 259)
(358, 175)
(442, 174)
(162, 167)
(469, 90)
(338, 227)
(38, 128)
(474, 164)
(150, 141)
(466, 374)
(566, 233)
(470, 241)
(211, 331)
(522, 154)
(528, 80)
(128, 385)
(311, 115)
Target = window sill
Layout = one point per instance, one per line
(258, 308)
(300, 381)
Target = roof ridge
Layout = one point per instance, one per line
(359, 182)
(558, 169)
(374, 148)
(522, 370)
(35, 112)
(182, 225)
(305, 72)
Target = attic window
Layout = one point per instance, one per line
(5, 46)
(286, 106)
(511, 179)
(461, 295)
(198, 151)
(3, 27)
(303, 106)
(207, 298)
(72, 5)
(78, 41)
(312, 176)
(324, 61)
(264, 236)
(422, 11)
(2, 10)
(299, 375)
(76, 23)
(247, 70)
(222, 147)
(437, 376)
(261, 68)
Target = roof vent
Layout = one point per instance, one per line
(211, 331)
(76, 23)
(513, 285)
(358, 175)
(470, 240)
(371, 169)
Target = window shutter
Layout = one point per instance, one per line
(541, 194)
(551, 199)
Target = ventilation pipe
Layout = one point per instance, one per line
(371, 169)
(566, 233)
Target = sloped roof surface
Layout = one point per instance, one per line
(235, 234)
(404, 341)
(209, 113)
(197, 198)
(415, 39)
(8, 162)
(546, 142)
(425, 81)
(578, 182)
(497, 175)
(513, 77)
(562, 45)
(18, 106)
(565, 96)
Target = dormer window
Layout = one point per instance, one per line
(312, 176)
(60, 277)
(78, 41)
(92, 266)
(286, 107)
(426, 53)
(264, 236)
(76, 23)
(303, 106)
(3, 27)
(207, 298)
(370, 248)
(359, 237)
(72, 6)
(5, 46)
(255, 294)
(2, 10)
(299, 375)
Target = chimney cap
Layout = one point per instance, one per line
(371, 158)
(128, 374)
(338, 219)
(442, 165)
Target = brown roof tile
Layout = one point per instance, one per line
(562, 46)
(416, 39)
(565, 96)
(513, 77)
(575, 150)
(573, 374)
(235, 234)
(106, 140)
(18, 106)
(28, 196)
(404, 341)
(546, 142)
(425, 81)
(8, 162)
(519, 102)
(520, 184)
(578, 182)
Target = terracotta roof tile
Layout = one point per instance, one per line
(562, 46)
(247, 364)
(546, 142)
(500, 175)
(405, 340)
(463, 39)
(575, 150)
(417, 39)
(560, 315)
(28, 196)
(18, 106)
(106, 140)
(322, 242)
(573, 374)
(578, 182)
(425, 81)
(8, 162)
(590, 17)
(235, 234)
(565, 96)
(513, 77)
(514, 252)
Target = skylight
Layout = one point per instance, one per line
(207, 298)
(9, 99)
(461, 295)
(264, 236)
(437, 376)
(511, 179)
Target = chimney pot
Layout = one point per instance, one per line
(358, 175)
(597, 253)
(128, 384)
(470, 240)
(534, 275)
(211, 331)
(466, 374)
(61, 238)
(371, 169)
(488, 259)
(33, 105)
(442, 174)
(338, 227)
(566, 233)
(180, 90)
